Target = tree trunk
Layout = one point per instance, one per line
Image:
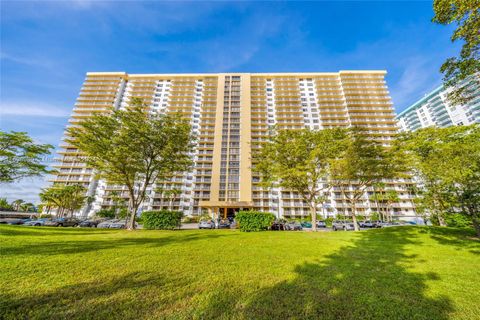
(354, 218)
(314, 217)
(441, 220)
(476, 224)
(475, 220)
(132, 209)
(376, 199)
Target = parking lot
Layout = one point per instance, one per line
(279, 225)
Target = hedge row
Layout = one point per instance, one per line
(162, 219)
(254, 220)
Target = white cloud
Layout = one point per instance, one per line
(33, 109)
(419, 75)
(29, 61)
(26, 189)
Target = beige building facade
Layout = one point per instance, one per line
(231, 114)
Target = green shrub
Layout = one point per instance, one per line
(343, 217)
(204, 217)
(193, 219)
(122, 213)
(360, 217)
(254, 220)
(434, 220)
(329, 221)
(162, 219)
(106, 213)
(374, 216)
(45, 216)
(457, 220)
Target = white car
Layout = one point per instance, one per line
(120, 224)
(107, 224)
(36, 223)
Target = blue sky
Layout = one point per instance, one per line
(47, 47)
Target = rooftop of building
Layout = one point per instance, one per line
(421, 101)
(121, 73)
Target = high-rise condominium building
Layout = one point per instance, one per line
(435, 110)
(231, 114)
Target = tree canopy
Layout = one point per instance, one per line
(65, 198)
(447, 160)
(134, 148)
(364, 163)
(300, 160)
(20, 157)
(466, 15)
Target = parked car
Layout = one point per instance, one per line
(89, 223)
(224, 224)
(37, 223)
(278, 225)
(321, 224)
(120, 224)
(306, 224)
(12, 221)
(294, 226)
(206, 224)
(367, 224)
(107, 223)
(380, 224)
(342, 225)
(63, 222)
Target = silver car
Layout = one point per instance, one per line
(120, 224)
(106, 224)
(36, 223)
(206, 224)
(342, 225)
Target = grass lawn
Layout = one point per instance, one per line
(393, 273)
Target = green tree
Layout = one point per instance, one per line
(388, 198)
(447, 160)
(119, 203)
(300, 160)
(27, 207)
(466, 15)
(133, 148)
(65, 198)
(169, 193)
(4, 205)
(363, 164)
(20, 157)
(17, 204)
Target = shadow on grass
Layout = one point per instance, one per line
(83, 244)
(368, 280)
(122, 297)
(48, 231)
(460, 238)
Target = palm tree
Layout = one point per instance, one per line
(389, 197)
(27, 207)
(4, 205)
(64, 198)
(17, 204)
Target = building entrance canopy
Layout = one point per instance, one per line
(225, 209)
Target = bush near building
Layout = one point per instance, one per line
(162, 219)
(457, 220)
(194, 219)
(106, 213)
(254, 220)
